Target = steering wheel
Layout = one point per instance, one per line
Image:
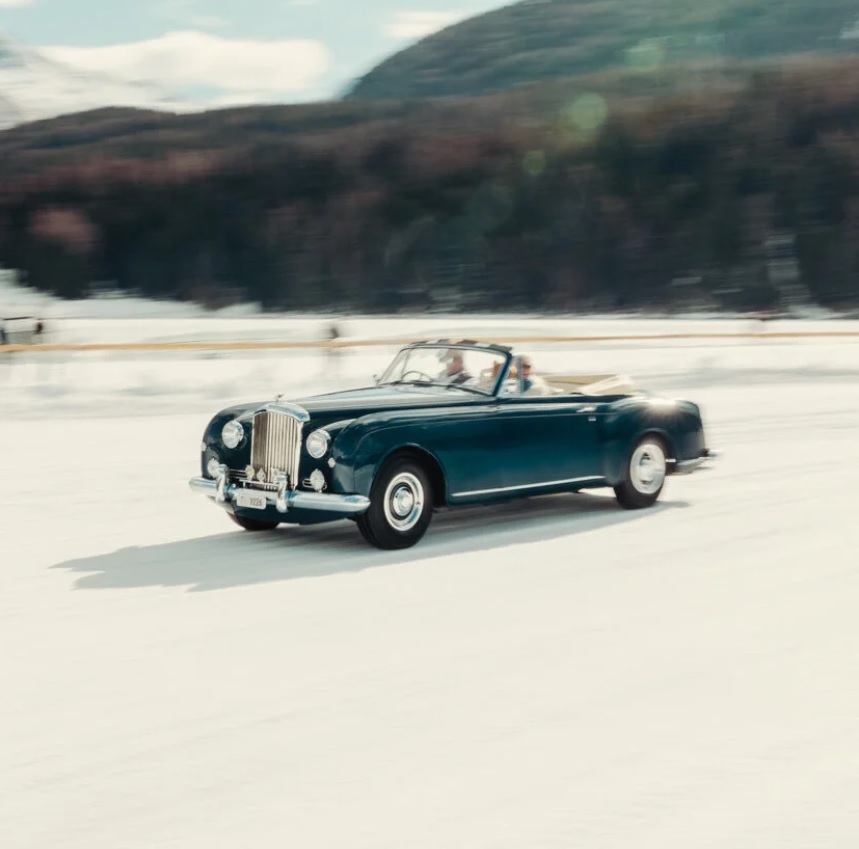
(421, 374)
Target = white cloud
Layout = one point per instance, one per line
(238, 68)
(419, 24)
(11, 4)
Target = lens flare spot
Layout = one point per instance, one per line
(647, 55)
(587, 112)
(534, 163)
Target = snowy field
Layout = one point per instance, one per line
(553, 673)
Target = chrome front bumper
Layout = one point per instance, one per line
(686, 467)
(223, 492)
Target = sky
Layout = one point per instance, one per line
(229, 52)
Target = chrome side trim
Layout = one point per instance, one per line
(284, 500)
(525, 486)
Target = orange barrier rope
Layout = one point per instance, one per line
(366, 343)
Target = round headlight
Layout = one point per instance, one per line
(232, 434)
(213, 467)
(317, 443)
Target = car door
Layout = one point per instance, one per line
(545, 441)
(466, 442)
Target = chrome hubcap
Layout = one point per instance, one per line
(404, 502)
(647, 468)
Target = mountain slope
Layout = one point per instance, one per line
(544, 39)
(33, 87)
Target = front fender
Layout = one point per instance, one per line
(212, 446)
(364, 446)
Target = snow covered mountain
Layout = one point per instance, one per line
(34, 87)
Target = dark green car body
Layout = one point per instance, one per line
(474, 448)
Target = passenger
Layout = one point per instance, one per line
(488, 380)
(527, 378)
(532, 384)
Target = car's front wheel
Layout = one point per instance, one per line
(645, 474)
(400, 505)
(252, 524)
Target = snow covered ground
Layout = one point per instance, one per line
(552, 673)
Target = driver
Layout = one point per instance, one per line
(455, 372)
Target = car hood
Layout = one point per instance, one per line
(360, 402)
(351, 404)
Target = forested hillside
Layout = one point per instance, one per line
(539, 199)
(549, 39)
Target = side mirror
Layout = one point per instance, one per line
(375, 379)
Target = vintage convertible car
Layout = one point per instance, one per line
(448, 423)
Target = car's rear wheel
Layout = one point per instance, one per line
(645, 474)
(400, 508)
(252, 524)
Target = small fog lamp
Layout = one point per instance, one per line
(317, 480)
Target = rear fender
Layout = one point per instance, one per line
(677, 424)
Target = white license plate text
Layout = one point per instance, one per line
(254, 500)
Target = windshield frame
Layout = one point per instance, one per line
(506, 355)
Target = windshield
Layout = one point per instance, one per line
(442, 365)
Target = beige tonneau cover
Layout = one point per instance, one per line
(591, 384)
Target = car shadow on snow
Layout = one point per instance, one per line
(239, 558)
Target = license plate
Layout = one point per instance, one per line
(254, 500)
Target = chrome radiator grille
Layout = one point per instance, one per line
(276, 445)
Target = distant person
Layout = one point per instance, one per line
(3, 337)
(332, 352)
